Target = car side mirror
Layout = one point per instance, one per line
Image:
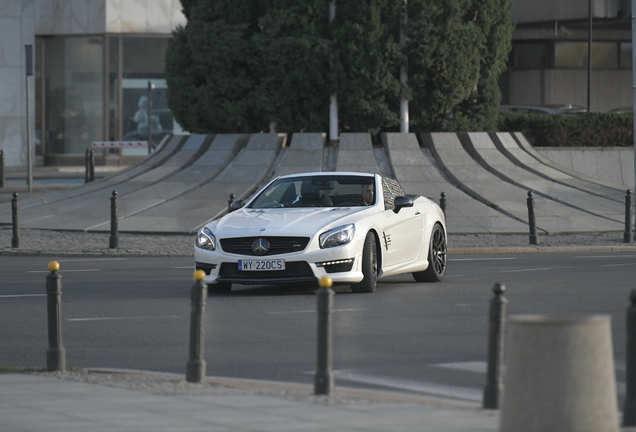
(400, 202)
(236, 205)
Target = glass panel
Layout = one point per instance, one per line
(574, 55)
(144, 60)
(604, 55)
(626, 55)
(531, 56)
(570, 54)
(74, 93)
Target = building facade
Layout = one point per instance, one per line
(93, 60)
(549, 59)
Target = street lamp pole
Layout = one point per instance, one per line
(634, 87)
(149, 107)
(29, 72)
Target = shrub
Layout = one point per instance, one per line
(572, 130)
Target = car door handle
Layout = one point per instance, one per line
(417, 213)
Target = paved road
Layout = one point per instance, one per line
(133, 313)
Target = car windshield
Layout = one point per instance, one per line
(318, 191)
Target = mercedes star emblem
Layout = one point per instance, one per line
(260, 246)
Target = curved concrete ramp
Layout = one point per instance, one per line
(527, 147)
(303, 154)
(468, 175)
(355, 154)
(193, 209)
(507, 144)
(418, 174)
(484, 151)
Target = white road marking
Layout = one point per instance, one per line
(455, 392)
(64, 271)
(481, 259)
(21, 295)
(314, 310)
(607, 256)
(617, 265)
(185, 267)
(525, 270)
(90, 259)
(122, 318)
(470, 366)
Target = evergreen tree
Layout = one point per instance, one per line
(237, 66)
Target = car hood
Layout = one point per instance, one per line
(298, 221)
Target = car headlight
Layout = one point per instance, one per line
(337, 236)
(205, 239)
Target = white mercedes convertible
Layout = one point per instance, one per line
(354, 227)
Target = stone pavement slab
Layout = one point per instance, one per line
(41, 402)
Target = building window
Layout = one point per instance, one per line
(531, 55)
(73, 75)
(626, 55)
(574, 55)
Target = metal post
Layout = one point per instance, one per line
(333, 99)
(494, 381)
(195, 370)
(1, 169)
(404, 102)
(534, 238)
(230, 201)
(629, 406)
(55, 354)
(589, 54)
(323, 379)
(91, 166)
(149, 112)
(442, 202)
(114, 239)
(86, 168)
(627, 235)
(29, 72)
(15, 240)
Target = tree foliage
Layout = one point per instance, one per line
(238, 66)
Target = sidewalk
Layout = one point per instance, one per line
(100, 402)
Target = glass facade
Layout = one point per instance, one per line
(95, 88)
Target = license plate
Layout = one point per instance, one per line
(261, 265)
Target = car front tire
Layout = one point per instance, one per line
(436, 257)
(369, 267)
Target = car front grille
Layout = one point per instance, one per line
(278, 245)
(295, 271)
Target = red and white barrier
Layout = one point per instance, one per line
(119, 144)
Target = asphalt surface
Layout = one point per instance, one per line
(113, 400)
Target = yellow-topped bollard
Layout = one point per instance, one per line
(198, 275)
(55, 354)
(325, 282)
(54, 266)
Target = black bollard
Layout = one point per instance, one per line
(629, 406)
(15, 240)
(114, 238)
(230, 201)
(1, 169)
(627, 235)
(494, 380)
(534, 238)
(86, 168)
(55, 354)
(195, 370)
(323, 379)
(442, 202)
(91, 166)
